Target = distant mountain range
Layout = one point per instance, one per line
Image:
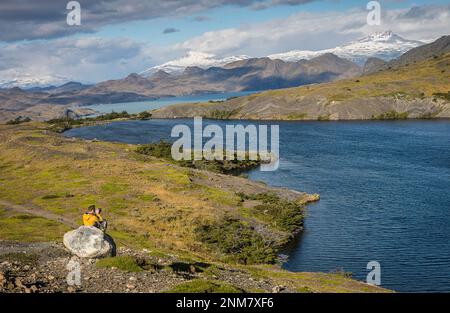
(245, 75)
(13, 78)
(384, 45)
(192, 59)
(67, 87)
(415, 85)
(242, 74)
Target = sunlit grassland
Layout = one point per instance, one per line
(149, 203)
(25, 227)
(142, 199)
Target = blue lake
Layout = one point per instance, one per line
(137, 107)
(385, 189)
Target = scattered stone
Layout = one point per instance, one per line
(309, 198)
(2, 279)
(49, 276)
(89, 242)
(278, 289)
(18, 282)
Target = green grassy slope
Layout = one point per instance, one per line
(46, 180)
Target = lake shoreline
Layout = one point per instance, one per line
(362, 169)
(114, 171)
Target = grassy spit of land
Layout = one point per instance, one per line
(169, 214)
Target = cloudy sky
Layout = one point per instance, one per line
(118, 37)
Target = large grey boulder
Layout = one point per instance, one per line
(89, 242)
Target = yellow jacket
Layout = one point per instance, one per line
(90, 219)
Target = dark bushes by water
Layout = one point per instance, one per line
(391, 115)
(66, 123)
(279, 213)
(162, 149)
(19, 120)
(240, 242)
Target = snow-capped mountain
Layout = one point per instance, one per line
(192, 58)
(10, 79)
(385, 45)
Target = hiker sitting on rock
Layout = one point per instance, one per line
(90, 218)
(102, 223)
(93, 217)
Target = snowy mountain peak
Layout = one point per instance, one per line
(192, 59)
(380, 36)
(386, 37)
(384, 45)
(13, 78)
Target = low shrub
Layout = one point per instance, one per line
(281, 214)
(144, 115)
(163, 150)
(221, 114)
(239, 242)
(391, 115)
(324, 117)
(443, 95)
(62, 124)
(19, 120)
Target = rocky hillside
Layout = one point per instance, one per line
(18, 103)
(243, 75)
(422, 53)
(413, 90)
(42, 268)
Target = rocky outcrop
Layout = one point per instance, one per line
(373, 65)
(311, 108)
(419, 54)
(416, 55)
(89, 242)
